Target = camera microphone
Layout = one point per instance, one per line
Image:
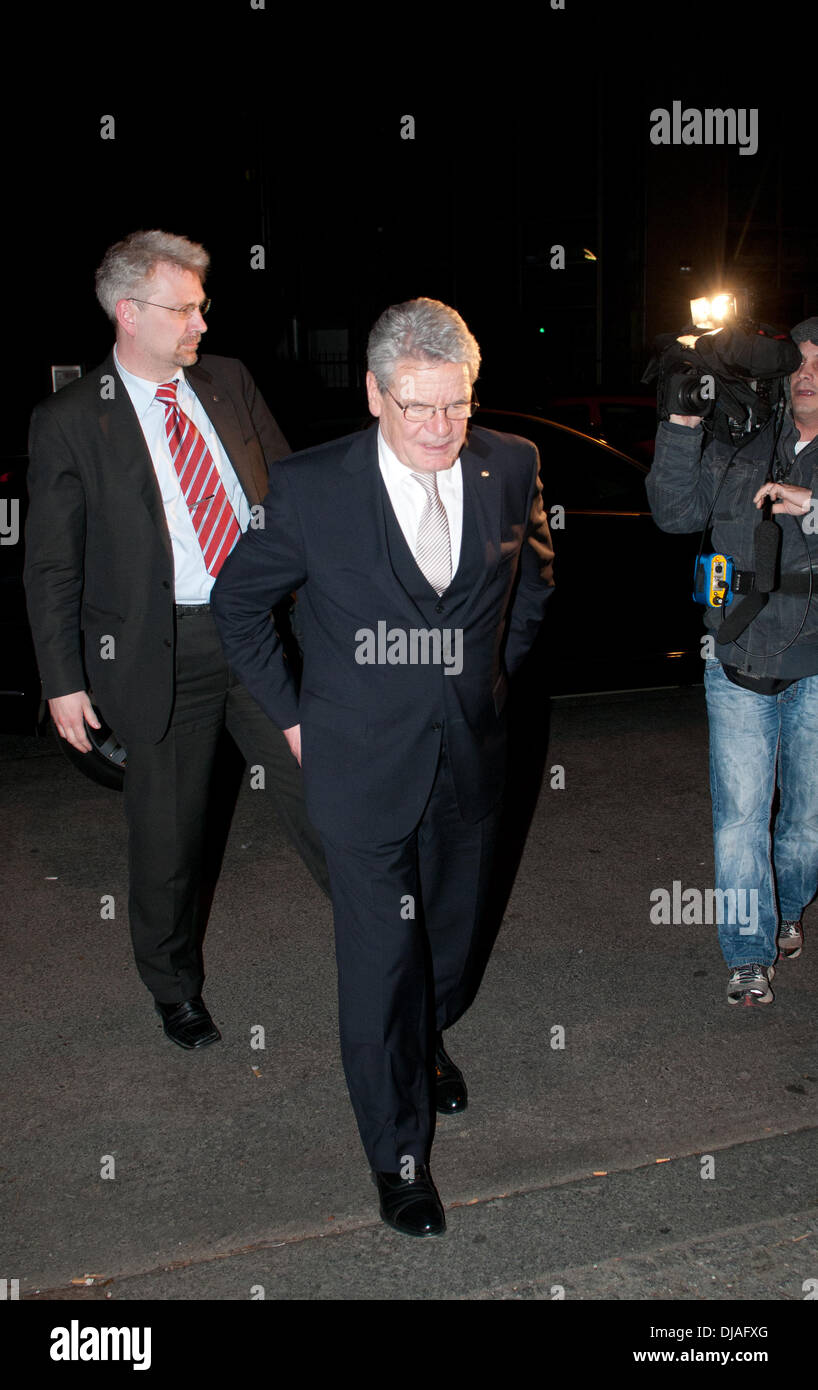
(767, 545)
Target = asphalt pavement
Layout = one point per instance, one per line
(628, 1135)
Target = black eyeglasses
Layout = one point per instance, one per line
(187, 310)
(458, 410)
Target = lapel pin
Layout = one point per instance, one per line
(484, 474)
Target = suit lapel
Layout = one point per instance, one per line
(368, 499)
(482, 489)
(221, 412)
(122, 432)
(483, 483)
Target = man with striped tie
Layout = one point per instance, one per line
(422, 558)
(142, 477)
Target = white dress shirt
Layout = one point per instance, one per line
(408, 498)
(192, 581)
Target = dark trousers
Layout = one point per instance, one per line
(167, 790)
(406, 918)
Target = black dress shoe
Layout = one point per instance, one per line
(451, 1095)
(411, 1206)
(188, 1024)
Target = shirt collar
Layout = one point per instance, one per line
(143, 392)
(400, 473)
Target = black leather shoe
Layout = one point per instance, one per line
(411, 1206)
(188, 1024)
(451, 1095)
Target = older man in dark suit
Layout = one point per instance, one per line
(422, 559)
(142, 476)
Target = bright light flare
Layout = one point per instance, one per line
(713, 313)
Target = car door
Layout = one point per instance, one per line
(621, 615)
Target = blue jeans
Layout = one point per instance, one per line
(750, 737)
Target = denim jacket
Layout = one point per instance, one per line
(681, 486)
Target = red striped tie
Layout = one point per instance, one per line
(213, 518)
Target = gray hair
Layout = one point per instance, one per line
(128, 265)
(423, 330)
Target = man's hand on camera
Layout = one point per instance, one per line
(692, 420)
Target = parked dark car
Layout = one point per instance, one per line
(626, 422)
(22, 709)
(19, 678)
(621, 616)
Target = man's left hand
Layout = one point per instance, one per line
(795, 501)
(293, 737)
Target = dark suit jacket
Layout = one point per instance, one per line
(371, 732)
(99, 561)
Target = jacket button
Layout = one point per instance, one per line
(167, 643)
(436, 727)
(439, 607)
(165, 584)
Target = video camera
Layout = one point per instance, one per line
(729, 370)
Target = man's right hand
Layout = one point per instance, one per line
(692, 420)
(68, 713)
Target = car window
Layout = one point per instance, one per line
(624, 423)
(587, 476)
(577, 416)
(577, 472)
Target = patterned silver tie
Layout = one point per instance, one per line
(434, 550)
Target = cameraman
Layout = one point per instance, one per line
(762, 688)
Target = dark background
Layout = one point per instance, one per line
(238, 133)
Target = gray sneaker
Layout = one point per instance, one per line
(750, 984)
(791, 939)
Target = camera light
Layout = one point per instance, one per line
(723, 306)
(713, 313)
(700, 312)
